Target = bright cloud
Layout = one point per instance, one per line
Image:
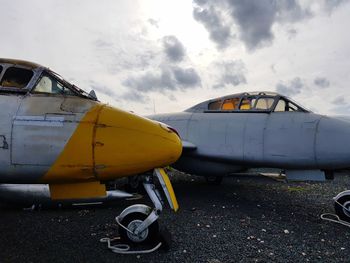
(169, 55)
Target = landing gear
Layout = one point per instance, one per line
(342, 205)
(214, 180)
(132, 221)
(138, 223)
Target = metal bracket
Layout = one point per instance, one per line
(167, 188)
(154, 195)
(153, 216)
(5, 145)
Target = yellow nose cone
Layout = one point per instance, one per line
(110, 143)
(127, 144)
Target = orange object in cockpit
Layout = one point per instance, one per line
(230, 104)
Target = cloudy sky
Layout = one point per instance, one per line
(165, 56)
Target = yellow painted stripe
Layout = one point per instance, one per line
(109, 143)
(75, 163)
(169, 188)
(77, 190)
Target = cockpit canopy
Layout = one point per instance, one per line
(249, 102)
(17, 76)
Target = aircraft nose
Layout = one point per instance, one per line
(332, 144)
(127, 144)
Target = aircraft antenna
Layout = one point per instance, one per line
(154, 107)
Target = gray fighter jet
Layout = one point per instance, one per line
(259, 129)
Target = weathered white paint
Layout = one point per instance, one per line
(9, 106)
(39, 138)
(39, 121)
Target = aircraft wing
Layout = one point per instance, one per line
(188, 146)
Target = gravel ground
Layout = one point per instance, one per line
(246, 219)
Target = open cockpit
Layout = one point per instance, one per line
(17, 76)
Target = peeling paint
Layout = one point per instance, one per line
(4, 144)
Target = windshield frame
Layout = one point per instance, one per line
(77, 91)
(24, 90)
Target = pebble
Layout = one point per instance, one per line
(227, 240)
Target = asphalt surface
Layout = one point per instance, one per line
(246, 219)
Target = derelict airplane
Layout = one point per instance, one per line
(52, 132)
(261, 129)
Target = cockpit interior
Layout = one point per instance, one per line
(24, 77)
(249, 102)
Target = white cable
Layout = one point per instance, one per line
(335, 220)
(125, 249)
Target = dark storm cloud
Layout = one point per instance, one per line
(232, 73)
(212, 20)
(151, 82)
(321, 82)
(168, 79)
(253, 18)
(173, 48)
(293, 87)
(186, 77)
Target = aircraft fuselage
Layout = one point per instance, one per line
(229, 141)
(52, 132)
